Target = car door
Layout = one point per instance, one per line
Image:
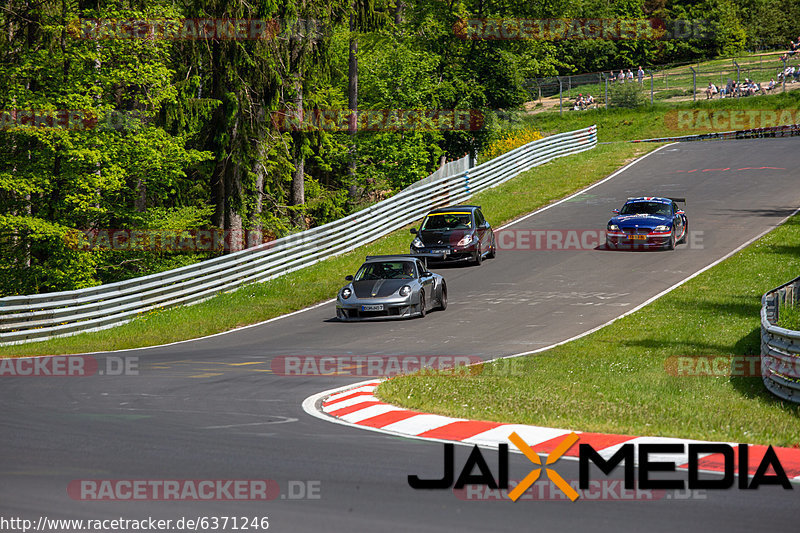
(426, 282)
(482, 229)
(677, 220)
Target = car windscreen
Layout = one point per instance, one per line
(446, 221)
(386, 270)
(646, 208)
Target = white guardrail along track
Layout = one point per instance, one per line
(780, 347)
(44, 316)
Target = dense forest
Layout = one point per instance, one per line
(196, 117)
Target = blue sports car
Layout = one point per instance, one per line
(648, 222)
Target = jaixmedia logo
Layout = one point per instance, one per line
(732, 459)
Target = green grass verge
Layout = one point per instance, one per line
(614, 380)
(660, 120)
(789, 317)
(258, 302)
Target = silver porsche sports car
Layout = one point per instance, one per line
(391, 286)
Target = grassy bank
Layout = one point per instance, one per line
(661, 120)
(616, 379)
(255, 303)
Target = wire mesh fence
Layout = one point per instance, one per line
(629, 87)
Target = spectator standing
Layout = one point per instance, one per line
(629, 76)
(640, 74)
(621, 76)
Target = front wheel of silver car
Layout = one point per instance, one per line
(422, 304)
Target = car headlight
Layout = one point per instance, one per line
(466, 240)
(346, 293)
(405, 290)
(661, 228)
(417, 243)
(613, 227)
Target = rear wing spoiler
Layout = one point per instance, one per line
(681, 200)
(430, 257)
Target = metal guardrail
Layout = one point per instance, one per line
(58, 314)
(780, 347)
(789, 130)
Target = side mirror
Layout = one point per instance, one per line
(348, 278)
(414, 231)
(615, 211)
(427, 274)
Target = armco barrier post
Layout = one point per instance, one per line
(784, 74)
(694, 84)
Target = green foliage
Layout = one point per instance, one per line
(625, 95)
(178, 133)
(35, 257)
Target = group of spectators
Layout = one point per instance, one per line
(583, 102)
(733, 89)
(623, 76)
(794, 46)
(790, 74)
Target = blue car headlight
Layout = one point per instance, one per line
(661, 228)
(613, 227)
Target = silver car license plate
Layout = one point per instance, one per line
(376, 307)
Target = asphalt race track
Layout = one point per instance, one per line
(212, 409)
